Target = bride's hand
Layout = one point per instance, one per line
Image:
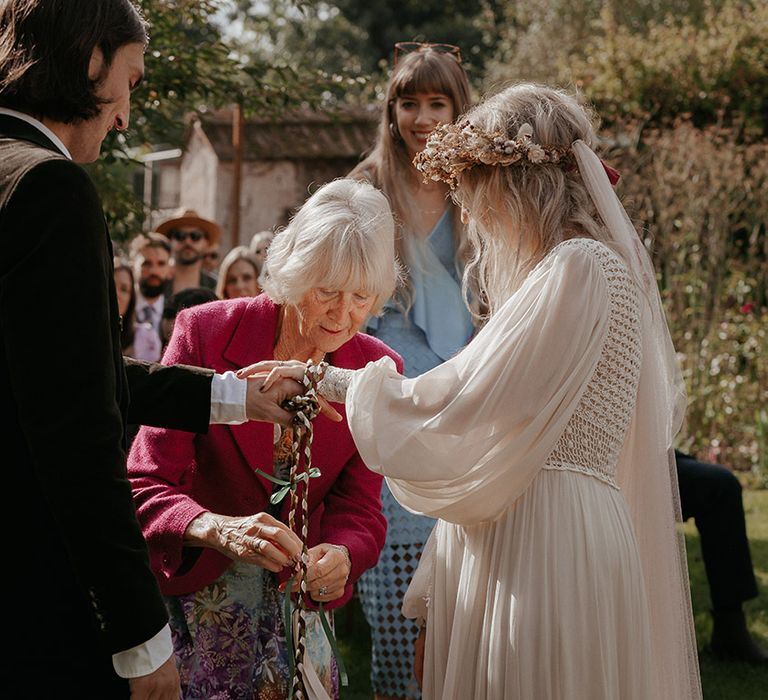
(275, 370)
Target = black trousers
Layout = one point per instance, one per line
(711, 495)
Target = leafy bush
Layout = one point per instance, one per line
(707, 59)
(716, 71)
(701, 196)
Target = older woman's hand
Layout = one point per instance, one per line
(327, 572)
(256, 539)
(328, 569)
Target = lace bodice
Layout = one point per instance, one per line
(594, 435)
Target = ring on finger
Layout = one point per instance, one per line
(323, 590)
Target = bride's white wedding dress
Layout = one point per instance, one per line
(540, 580)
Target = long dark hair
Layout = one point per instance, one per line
(128, 321)
(46, 48)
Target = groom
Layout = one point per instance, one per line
(82, 610)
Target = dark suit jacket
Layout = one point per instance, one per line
(80, 587)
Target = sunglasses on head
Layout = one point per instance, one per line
(182, 236)
(406, 47)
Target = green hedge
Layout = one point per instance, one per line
(701, 196)
(714, 71)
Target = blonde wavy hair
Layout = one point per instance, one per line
(239, 252)
(389, 167)
(518, 214)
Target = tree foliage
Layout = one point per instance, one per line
(190, 68)
(352, 37)
(715, 70)
(653, 61)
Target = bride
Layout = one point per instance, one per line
(555, 569)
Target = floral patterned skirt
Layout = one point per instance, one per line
(229, 639)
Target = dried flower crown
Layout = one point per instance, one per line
(453, 148)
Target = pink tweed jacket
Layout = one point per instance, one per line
(177, 475)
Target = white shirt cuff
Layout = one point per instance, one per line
(228, 394)
(145, 658)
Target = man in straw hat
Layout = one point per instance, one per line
(191, 236)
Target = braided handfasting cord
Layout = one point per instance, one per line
(307, 407)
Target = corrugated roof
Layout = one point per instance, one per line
(297, 136)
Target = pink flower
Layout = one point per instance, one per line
(747, 308)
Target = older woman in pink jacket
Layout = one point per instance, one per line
(219, 548)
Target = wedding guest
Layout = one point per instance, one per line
(125, 289)
(211, 259)
(544, 447)
(191, 236)
(711, 495)
(239, 275)
(93, 623)
(151, 253)
(427, 323)
(185, 299)
(198, 497)
(259, 246)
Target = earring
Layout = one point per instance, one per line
(394, 133)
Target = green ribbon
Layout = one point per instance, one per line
(288, 614)
(334, 647)
(280, 494)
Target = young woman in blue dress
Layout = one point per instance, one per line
(427, 322)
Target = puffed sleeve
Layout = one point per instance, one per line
(352, 515)
(466, 439)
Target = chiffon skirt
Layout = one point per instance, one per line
(545, 603)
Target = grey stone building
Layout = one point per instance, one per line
(283, 160)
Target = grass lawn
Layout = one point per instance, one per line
(721, 681)
(733, 681)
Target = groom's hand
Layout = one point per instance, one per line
(265, 405)
(283, 378)
(163, 684)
